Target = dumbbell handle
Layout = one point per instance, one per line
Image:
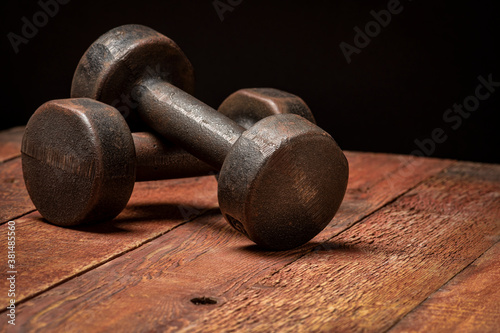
(186, 121)
(158, 160)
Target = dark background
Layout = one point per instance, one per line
(393, 93)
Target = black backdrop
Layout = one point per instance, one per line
(394, 93)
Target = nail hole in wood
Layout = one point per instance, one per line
(203, 301)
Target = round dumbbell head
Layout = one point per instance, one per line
(282, 182)
(113, 65)
(248, 106)
(78, 161)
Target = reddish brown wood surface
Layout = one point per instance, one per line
(405, 229)
(10, 143)
(468, 303)
(51, 254)
(14, 199)
(371, 275)
(202, 257)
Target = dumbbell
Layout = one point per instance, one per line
(280, 182)
(80, 160)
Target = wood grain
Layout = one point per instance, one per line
(14, 198)
(370, 276)
(151, 287)
(49, 254)
(469, 303)
(10, 143)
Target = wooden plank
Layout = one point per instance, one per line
(49, 254)
(151, 286)
(470, 302)
(10, 143)
(376, 179)
(14, 198)
(15, 202)
(370, 276)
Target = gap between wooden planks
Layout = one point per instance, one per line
(371, 275)
(184, 199)
(470, 302)
(154, 210)
(188, 252)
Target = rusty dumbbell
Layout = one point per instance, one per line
(80, 160)
(280, 182)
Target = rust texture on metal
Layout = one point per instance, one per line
(281, 181)
(158, 159)
(155, 158)
(78, 161)
(54, 149)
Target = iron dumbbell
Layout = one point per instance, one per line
(80, 160)
(280, 182)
